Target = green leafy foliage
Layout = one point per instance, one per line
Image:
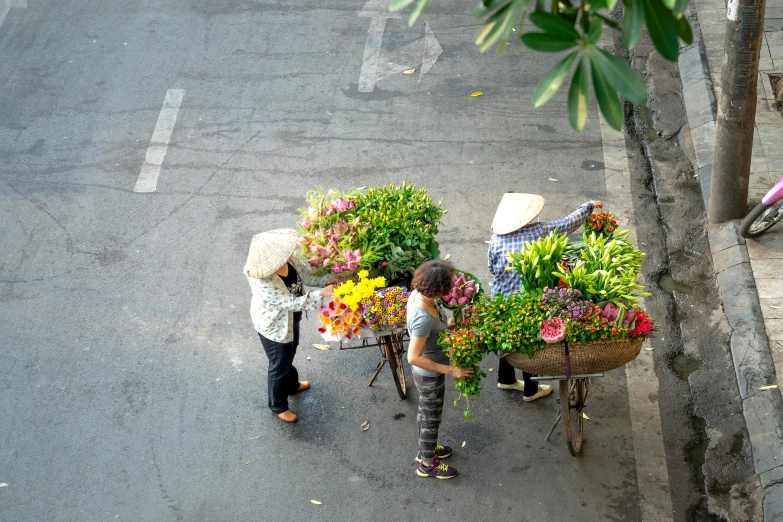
(403, 223)
(605, 269)
(464, 350)
(577, 25)
(537, 261)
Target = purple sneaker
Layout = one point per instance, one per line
(437, 470)
(441, 452)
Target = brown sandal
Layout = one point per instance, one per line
(287, 416)
(303, 385)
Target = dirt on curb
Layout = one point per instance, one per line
(708, 454)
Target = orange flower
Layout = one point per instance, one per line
(352, 319)
(325, 320)
(338, 323)
(356, 330)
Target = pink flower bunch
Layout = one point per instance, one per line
(552, 330)
(331, 250)
(351, 261)
(338, 205)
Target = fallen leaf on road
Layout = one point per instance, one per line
(308, 358)
(316, 502)
(248, 462)
(585, 416)
(463, 443)
(254, 438)
(365, 425)
(477, 93)
(771, 386)
(447, 256)
(487, 242)
(776, 307)
(649, 349)
(552, 179)
(409, 71)
(322, 347)
(3, 485)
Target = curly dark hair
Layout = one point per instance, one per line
(433, 278)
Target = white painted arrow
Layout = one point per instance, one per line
(432, 50)
(378, 10)
(424, 51)
(7, 5)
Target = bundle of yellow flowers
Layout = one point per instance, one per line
(355, 294)
(341, 318)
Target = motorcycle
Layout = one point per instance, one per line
(766, 213)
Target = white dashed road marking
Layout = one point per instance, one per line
(159, 145)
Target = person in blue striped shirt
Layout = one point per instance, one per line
(512, 227)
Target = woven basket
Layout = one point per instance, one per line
(585, 358)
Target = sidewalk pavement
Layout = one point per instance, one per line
(749, 273)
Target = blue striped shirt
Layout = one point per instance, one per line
(500, 246)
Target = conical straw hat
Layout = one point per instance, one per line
(515, 211)
(269, 251)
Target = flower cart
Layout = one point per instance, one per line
(375, 238)
(392, 346)
(573, 365)
(576, 316)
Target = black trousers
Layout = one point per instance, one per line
(507, 375)
(282, 377)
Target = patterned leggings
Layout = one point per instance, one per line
(431, 394)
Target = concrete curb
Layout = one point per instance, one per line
(753, 363)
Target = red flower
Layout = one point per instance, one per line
(322, 330)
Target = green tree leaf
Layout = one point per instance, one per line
(669, 3)
(396, 5)
(596, 29)
(633, 23)
(684, 30)
(417, 12)
(680, 6)
(661, 26)
(546, 43)
(487, 7)
(608, 99)
(577, 99)
(554, 25)
(550, 83)
(499, 25)
(619, 75)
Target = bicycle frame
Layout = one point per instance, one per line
(774, 194)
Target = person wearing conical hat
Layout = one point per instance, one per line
(277, 278)
(512, 227)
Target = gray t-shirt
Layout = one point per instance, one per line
(422, 324)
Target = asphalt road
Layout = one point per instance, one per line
(133, 384)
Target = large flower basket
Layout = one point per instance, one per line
(585, 358)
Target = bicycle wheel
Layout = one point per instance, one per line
(394, 357)
(572, 402)
(761, 219)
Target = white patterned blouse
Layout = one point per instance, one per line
(273, 305)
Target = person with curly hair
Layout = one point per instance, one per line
(429, 363)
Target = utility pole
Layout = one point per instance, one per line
(736, 111)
